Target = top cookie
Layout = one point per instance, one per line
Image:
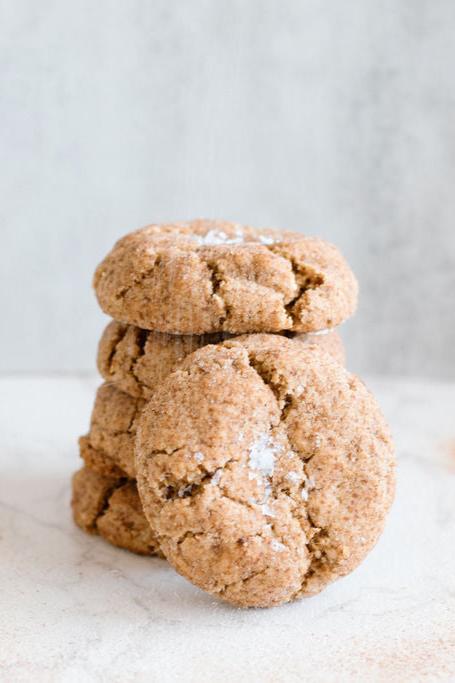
(209, 276)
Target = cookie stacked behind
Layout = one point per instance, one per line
(184, 292)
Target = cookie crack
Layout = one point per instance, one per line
(134, 417)
(141, 341)
(283, 400)
(106, 500)
(216, 281)
(120, 336)
(305, 277)
(318, 560)
(118, 432)
(241, 582)
(252, 574)
(187, 489)
(188, 534)
(284, 403)
(138, 279)
(93, 462)
(190, 489)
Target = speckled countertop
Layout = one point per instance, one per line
(73, 608)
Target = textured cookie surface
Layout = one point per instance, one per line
(137, 360)
(108, 448)
(265, 469)
(213, 276)
(110, 506)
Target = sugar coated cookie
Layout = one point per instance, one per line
(264, 468)
(209, 276)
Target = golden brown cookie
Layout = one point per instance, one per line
(110, 507)
(265, 469)
(108, 448)
(212, 276)
(138, 360)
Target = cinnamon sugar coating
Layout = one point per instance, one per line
(209, 276)
(265, 469)
(110, 506)
(108, 448)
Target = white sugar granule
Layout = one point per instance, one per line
(307, 487)
(184, 490)
(198, 456)
(318, 333)
(261, 461)
(263, 239)
(264, 508)
(267, 510)
(216, 476)
(262, 455)
(214, 237)
(277, 546)
(293, 476)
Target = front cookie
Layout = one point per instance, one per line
(213, 276)
(265, 469)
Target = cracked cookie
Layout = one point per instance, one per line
(209, 276)
(110, 506)
(264, 468)
(137, 360)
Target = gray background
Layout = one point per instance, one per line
(334, 118)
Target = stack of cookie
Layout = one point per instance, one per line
(228, 436)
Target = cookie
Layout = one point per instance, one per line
(137, 360)
(110, 507)
(108, 448)
(265, 469)
(209, 276)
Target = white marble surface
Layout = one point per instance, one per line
(74, 609)
(336, 118)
